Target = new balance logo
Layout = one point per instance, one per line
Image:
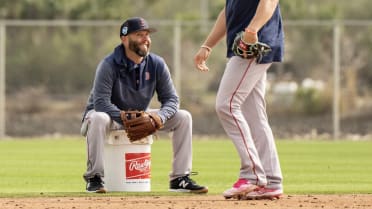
(183, 184)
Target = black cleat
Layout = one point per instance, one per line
(95, 185)
(185, 184)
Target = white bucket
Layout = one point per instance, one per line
(127, 165)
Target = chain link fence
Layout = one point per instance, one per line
(322, 89)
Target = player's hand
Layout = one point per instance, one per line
(200, 58)
(250, 37)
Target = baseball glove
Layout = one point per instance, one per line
(249, 51)
(139, 124)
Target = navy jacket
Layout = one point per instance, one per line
(120, 84)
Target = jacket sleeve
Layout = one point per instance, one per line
(102, 91)
(166, 92)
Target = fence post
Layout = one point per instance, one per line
(2, 80)
(336, 78)
(177, 56)
(204, 16)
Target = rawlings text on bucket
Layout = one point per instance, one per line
(137, 165)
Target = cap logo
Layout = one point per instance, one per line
(142, 22)
(124, 31)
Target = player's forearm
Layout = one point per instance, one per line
(218, 31)
(264, 12)
(167, 95)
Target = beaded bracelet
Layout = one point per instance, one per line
(206, 47)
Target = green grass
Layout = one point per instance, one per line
(53, 167)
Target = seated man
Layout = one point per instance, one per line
(126, 80)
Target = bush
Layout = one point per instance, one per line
(310, 101)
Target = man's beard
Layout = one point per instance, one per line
(134, 46)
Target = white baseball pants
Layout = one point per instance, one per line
(99, 124)
(241, 108)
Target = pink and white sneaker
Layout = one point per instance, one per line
(241, 188)
(264, 193)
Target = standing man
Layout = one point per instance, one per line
(240, 102)
(126, 80)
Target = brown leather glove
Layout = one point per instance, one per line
(140, 124)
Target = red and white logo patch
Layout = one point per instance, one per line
(138, 165)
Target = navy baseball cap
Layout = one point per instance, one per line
(135, 24)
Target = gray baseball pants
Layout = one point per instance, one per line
(241, 108)
(97, 125)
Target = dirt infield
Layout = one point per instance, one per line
(188, 202)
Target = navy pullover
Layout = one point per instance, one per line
(120, 84)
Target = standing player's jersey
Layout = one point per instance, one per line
(239, 14)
